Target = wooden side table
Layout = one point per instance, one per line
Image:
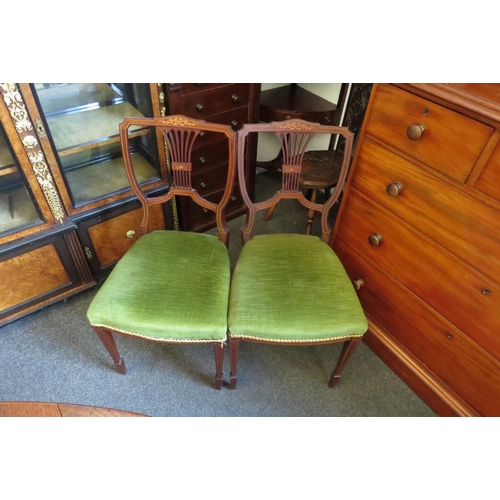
(29, 409)
(292, 101)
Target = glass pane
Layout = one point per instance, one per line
(83, 120)
(17, 208)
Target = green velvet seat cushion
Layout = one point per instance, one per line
(170, 285)
(292, 287)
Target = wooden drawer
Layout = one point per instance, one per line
(190, 88)
(197, 218)
(208, 156)
(210, 180)
(213, 101)
(450, 144)
(458, 222)
(466, 298)
(107, 237)
(488, 181)
(460, 363)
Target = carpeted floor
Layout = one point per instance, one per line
(54, 356)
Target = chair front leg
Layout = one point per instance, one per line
(347, 350)
(234, 347)
(219, 359)
(108, 341)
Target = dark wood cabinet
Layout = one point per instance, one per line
(228, 103)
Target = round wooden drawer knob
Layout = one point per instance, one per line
(394, 189)
(131, 233)
(203, 185)
(235, 98)
(358, 284)
(375, 239)
(415, 132)
(200, 107)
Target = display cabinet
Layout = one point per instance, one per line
(67, 211)
(40, 258)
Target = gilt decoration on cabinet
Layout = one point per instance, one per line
(23, 125)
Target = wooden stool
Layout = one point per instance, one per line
(320, 171)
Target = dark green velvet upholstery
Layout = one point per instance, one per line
(170, 285)
(292, 287)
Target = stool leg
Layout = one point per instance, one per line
(311, 212)
(270, 212)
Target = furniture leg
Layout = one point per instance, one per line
(270, 212)
(234, 346)
(311, 212)
(108, 341)
(219, 359)
(347, 350)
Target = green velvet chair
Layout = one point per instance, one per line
(171, 286)
(291, 289)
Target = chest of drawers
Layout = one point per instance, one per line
(232, 104)
(419, 225)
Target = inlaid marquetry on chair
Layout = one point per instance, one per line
(292, 289)
(171, 286)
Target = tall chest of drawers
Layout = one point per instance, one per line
(228, 103)
(419, 233)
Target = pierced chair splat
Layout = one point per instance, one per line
(292, 289)
(171, 286)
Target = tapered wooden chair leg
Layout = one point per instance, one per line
(108, 341)
(347, 350)
(234, 347)
(219, 359)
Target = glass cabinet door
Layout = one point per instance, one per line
(83, 123)
(18, 210)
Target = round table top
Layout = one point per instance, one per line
(35, 409)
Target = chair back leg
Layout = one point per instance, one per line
(347, 350)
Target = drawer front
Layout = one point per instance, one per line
(210, 180)
(208, 156)
(113, 237)
(190, 88)
(210, 102)
(467, 299)
(451, 142)
(459, 363)
(458, 222)
(197, 218)
(488, 181)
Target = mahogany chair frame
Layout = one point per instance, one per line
(179, 133)
(294, 135)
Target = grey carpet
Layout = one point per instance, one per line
(54, 356)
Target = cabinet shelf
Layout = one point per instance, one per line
(76, 132)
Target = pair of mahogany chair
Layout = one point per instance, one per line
(176, 286)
